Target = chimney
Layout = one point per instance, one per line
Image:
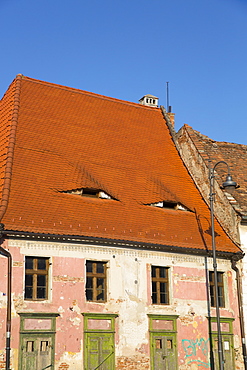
(171, 115)
(149, 100)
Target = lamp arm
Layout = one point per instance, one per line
(228, 168)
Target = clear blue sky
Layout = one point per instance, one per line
(126, 49)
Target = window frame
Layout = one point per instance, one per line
(158, 280)
(35, 272)
(96, 275)
(221, 285)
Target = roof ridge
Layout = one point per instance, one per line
(189, 128)
(11, 145)
(79, 91)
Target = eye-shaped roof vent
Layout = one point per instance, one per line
(170, 205)
(89, 192)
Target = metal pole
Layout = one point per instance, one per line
(211, 198)
(167, 96)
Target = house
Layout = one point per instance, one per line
(199, 153)
(110, 238)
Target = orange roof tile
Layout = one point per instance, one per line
(68, 139)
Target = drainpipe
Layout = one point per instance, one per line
(240, 308)
(6, 253)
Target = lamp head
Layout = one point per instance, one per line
(229, 183)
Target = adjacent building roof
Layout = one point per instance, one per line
(58, 142)
(236, 157)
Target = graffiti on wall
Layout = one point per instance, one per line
(196, 351)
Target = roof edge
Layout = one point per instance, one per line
(119, 243)
(89, 93)
(11, 145)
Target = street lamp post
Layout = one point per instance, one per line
(229, 183)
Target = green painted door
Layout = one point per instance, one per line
(228, 351)
(163, 348)
(99, 351)
(36, 353)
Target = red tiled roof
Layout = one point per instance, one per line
(68, 139)
(236, 157)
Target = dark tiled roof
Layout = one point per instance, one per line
(236, 157)
(70, 139)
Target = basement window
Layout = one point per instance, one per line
(170, 205)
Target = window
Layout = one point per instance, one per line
(160, 285)
(36, 278)
(96, 281)
(220, 280)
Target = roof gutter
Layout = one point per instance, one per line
(119, 243)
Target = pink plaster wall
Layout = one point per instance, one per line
(68, 299)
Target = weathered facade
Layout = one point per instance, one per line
(199, 152)
(110, 239)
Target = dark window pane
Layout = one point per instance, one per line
(89, 266)
(41, 293)
(154, 287)
(41, 280)
(211, 277)
(163, 287)
(101, 296)
(28, 292)
(221, 296)
(163, 299)
(89, 283)
(29, 263)
(100, 283)
(28, 280)
(154, 298)
(163, 272)
(100, 267)
(89, 294)
(153, 271)
(219, 277)
(41, 265)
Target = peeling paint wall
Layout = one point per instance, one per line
(128, 296)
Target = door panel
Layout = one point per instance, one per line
(163, 352)
(227, 347)
(100, 351)
(36, 353)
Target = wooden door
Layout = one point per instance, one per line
(36, 353)
(163, 352)
(228, 352)
(99, 351)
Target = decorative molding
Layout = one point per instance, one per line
(55, 249)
